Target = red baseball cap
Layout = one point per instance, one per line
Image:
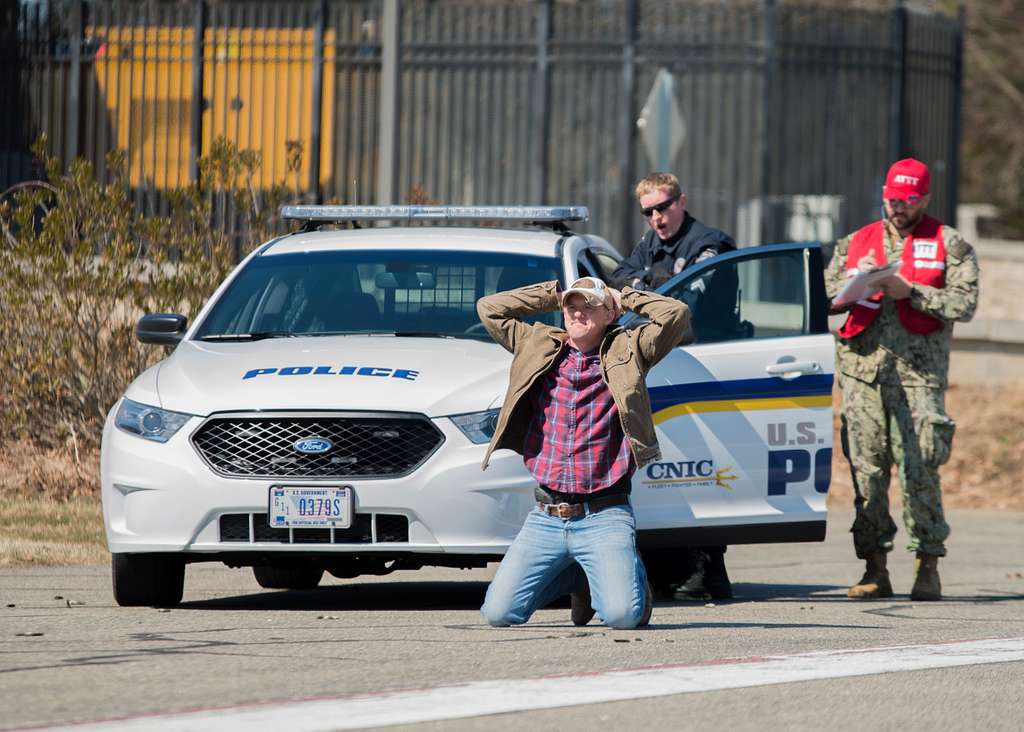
(907, 180)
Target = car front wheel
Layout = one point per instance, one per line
(156, 580)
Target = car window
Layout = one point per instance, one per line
(584, 267)
(755, 297)
(604, 264)
(379, 291)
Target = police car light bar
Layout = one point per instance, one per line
(538, 214)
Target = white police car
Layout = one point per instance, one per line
(329, 407)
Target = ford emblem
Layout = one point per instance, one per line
(312, 445)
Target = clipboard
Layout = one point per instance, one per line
(864, 284)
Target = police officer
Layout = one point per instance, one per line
(892, 359)
(674, 241)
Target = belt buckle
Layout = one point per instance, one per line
(565, 510)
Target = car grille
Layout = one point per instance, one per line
(237, 527)
(362, 445)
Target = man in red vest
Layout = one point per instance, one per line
(892, 360)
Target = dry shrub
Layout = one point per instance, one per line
(57, 473)
(79, 265)
(988, 451)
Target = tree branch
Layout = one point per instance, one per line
(982, 59)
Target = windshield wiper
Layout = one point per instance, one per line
(256, 336)
(318, 333)
(421, 334)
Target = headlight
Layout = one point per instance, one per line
(477, 426)
(151, 423)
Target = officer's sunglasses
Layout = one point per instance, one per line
(659, 207)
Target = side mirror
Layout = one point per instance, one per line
(163, 329)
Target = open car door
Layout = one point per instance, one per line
(743, 407)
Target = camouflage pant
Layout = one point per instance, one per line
(888, 423)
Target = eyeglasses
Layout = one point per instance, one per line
(898, 204)
(659, 207)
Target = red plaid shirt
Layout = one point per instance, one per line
(574, 442)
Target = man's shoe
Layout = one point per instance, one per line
(875, 582)
(708, 579)
(581, 612)
(926, 578)
(645, 619)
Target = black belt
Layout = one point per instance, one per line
(591, 505)
(548, 495)
(571, 505)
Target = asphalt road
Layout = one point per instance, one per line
(67, 653)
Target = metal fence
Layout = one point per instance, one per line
(792, 112)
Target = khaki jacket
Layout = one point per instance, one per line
(626, 357)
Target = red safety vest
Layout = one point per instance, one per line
(924, 262)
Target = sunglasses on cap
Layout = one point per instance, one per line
(659, 207)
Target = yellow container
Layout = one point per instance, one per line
(257, 83)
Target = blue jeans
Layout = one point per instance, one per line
(545, 561)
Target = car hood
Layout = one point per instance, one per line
(432, 376)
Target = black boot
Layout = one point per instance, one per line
(875, 582)
(716, 578)
(708, 579)
(926, 578)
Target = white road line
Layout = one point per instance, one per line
(515, 695)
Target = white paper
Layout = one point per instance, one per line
(864, 284)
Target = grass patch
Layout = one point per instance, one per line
(40, 531)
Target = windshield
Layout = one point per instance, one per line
(394, 292)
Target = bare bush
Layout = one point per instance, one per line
(79, 265)
(993, 149)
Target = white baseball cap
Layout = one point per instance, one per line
(594, 291)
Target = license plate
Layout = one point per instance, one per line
(310, 507)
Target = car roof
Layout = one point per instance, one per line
(535, 242)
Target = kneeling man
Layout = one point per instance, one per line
(578, 410)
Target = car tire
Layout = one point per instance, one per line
(276, 577)
(156, 580)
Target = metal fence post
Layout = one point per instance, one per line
(627, 123)
(542, 104)
(390, 111)
(897, 117)
(198, 103)
(954, 143)
(767, 118)
(319, 20)
(74, 82)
